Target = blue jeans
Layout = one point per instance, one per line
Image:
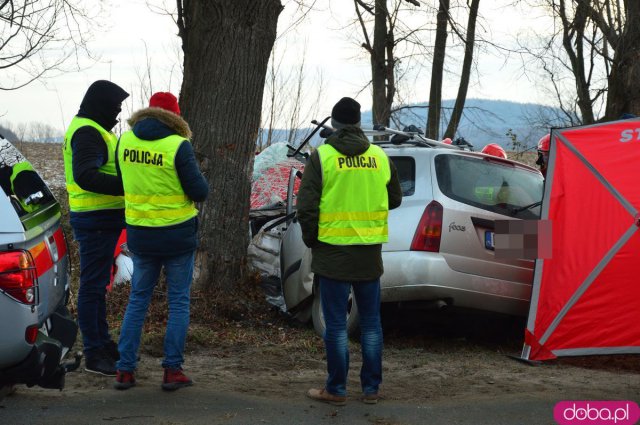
(335, 296)
(146, 270)
(96, 262)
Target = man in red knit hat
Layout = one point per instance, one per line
(162, 182)
(165, 100)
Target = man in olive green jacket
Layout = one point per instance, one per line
(340, 264)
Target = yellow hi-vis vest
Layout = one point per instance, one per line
(81, 200)
(17, 169)
(153, 194)
(354, 205)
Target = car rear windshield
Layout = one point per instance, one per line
(495, 186)
(406, 167)
(24, 188)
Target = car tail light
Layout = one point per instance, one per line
(427, 236)
(18, 276)
(31, 334)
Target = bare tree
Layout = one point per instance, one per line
(620, 25)
(469, 44)
(388, 32)
(437, 71)
(292, 98)
(21, 131)
(43, 132)
(226, 46)
(596, 47)
(273, 102)
(39, 38)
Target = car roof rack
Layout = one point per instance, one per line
(415, 138)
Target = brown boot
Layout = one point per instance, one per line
(326, 397)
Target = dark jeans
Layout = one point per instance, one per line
(146, 271)
(335, 297)
(96, 260)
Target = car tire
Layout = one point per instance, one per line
(353, 319)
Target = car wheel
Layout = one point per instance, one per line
(318, 318)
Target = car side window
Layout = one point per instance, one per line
(502, 188)
(406, 167)
(23, 186)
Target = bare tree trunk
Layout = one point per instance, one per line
(272, 102)
(390, 71)
(456, 115)
(437, 72)
(624, 80)
(573, 42)
(378, 64)
(226, 47)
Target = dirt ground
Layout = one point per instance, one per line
(425, 363)
(446, 356)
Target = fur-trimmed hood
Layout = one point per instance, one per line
(171, 121)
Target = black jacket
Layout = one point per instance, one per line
(342, 262)
(101, 103)
(152, 124)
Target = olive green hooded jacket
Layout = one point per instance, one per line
(351, 263)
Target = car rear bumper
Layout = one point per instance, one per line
(42, 366)
(411, 276)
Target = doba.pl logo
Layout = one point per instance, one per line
(596, 412)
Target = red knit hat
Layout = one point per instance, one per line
(165, 100)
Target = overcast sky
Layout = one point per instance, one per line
(345, 70)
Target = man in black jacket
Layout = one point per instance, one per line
(97, 214)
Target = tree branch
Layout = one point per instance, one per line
(182, 32)
(364, 6)
(367, 43)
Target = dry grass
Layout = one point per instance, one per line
(219, 318)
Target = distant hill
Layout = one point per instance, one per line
(484, 121)
(8, 134)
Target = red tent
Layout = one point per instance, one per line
(586, 297)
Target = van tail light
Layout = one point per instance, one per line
(31, 334)
(427, 236)
(18, 276)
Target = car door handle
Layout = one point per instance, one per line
(483, 222)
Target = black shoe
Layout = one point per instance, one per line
(98, 361)
(111, 348)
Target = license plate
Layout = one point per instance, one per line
(488, 240)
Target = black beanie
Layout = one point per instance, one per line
(344, 113)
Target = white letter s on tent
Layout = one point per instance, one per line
(627, 135)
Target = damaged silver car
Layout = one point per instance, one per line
(441, 248)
